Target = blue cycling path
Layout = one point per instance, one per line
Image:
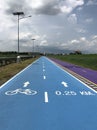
(45, 97)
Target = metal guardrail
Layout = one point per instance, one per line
(8, 60)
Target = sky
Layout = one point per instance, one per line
(58, 26)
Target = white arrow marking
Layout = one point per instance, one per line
(64, 83)
(26, 84)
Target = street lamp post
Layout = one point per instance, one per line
(33, 43)
(33, 54)
(18, 14)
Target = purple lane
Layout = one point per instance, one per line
(85, 72)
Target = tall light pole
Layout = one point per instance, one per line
(18, 14)
(33, 43)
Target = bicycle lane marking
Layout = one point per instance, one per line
(21, 91)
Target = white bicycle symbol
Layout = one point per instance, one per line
(22, 91)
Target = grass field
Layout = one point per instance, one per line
(8, 71)
(85, 60)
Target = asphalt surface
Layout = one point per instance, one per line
(45, 97)
(85, 72)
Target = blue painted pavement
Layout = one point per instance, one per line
(45, 97)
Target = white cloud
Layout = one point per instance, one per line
(89, 20)
(36, 3)
(72, 18)
(80, 8)
(83, 44)
(74, 41)
(94, 37)
(82, 39)
(81, 30)
(58, 34)
(54, 7)
(44, 43)
(36, 36)
(94, 41)
(75, 3)
(66, 9)
(91, 2)
(24, 35)
(69, 5)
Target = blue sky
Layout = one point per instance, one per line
(57, 25)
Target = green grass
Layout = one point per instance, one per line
(85, 60)
(8, 71)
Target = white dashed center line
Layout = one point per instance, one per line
(44, 77)
(46, 97)
(43, 70)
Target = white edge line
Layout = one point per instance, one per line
(46, 97)
(17, 74)
(71, 75)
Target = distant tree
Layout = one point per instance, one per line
(71, 53)
(78, 52)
